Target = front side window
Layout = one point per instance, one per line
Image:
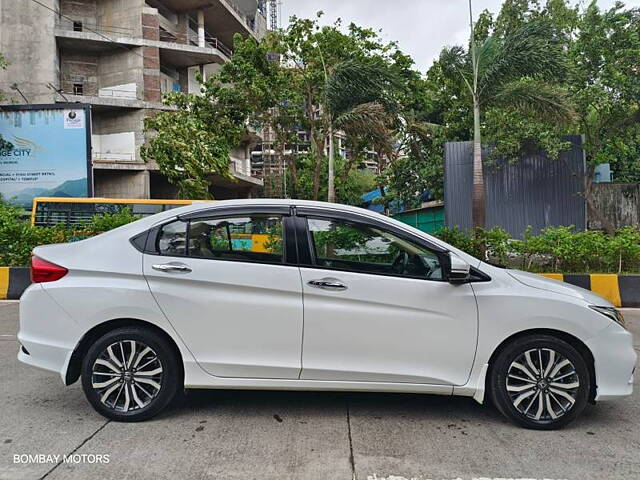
(364, 248)
(255, 238)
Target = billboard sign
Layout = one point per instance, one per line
(50, 152)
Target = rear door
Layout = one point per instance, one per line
(231, 289)
(378, 309)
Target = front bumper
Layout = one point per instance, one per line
(614, 361)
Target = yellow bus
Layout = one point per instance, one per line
(51, 211)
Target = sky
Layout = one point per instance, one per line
(421, 27)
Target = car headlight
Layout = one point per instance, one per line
(613, 313)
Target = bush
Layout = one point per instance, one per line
(555, 249)
(18, 237)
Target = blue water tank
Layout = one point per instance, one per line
(603, 173)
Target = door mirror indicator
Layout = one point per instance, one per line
(459, 270)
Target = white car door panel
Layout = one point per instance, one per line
(239, 319)
(377, 309)
(388, 329)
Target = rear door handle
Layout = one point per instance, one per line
(171, 267)
(327, 284)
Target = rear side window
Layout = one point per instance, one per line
(255, 238)
(172, 240)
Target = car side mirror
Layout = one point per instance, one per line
(459, 270)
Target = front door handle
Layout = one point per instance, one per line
(171, 267)
(327, 284)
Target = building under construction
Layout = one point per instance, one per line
(120, 56)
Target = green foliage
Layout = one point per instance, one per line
(274, 238)
(555, 249)
(18, 237)
(604, 79)
(341, 237)
(521, 67)
(421, 169)
(195, 140)
(494, 241)
(109, 221)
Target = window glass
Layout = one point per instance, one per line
(172, 239)
(255, 238)
(358, 247)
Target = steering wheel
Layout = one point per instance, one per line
(400, 263)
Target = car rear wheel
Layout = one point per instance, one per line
(540, 382)
(130, 374)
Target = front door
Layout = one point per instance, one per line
(377, 309)
(223, 284)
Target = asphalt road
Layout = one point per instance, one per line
(287, 435)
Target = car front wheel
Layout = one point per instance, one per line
(540, 382)
(130, 374)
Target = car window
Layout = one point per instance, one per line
(172, 239)
(248, 238)
(359, 247)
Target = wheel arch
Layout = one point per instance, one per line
(572, 340)
(75, 362)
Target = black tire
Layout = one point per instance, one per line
(505, 400)
(170, 378)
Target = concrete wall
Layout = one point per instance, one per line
(620, 203)
(26, 40)
(208, 70)
(114, 146)
(115, 183)
(120, 67)
(124, 14)
(118, 121)
(84, 11)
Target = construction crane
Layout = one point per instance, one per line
(274, 14)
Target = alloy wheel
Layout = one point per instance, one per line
(127, 376)
(542, 384)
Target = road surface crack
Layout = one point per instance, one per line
(75, 449)
(352, 460)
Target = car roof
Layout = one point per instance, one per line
(206, 205)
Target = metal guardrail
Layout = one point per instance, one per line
(210, 42)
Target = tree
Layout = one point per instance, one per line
(195, 140)
(355, 93)
(516, 70)
(345, 81)
(604, 81)
(600, 50)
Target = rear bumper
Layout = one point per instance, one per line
(615, 361)
(47, 332)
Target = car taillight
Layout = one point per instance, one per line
(43, 271)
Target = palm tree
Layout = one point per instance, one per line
(513, 71)
(355, 98)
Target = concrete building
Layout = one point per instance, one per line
(120, 56)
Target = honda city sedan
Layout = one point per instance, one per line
(298, 295)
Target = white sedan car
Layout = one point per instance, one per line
(296, 295)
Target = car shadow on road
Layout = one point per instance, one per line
(397, 407)
(374, 405)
